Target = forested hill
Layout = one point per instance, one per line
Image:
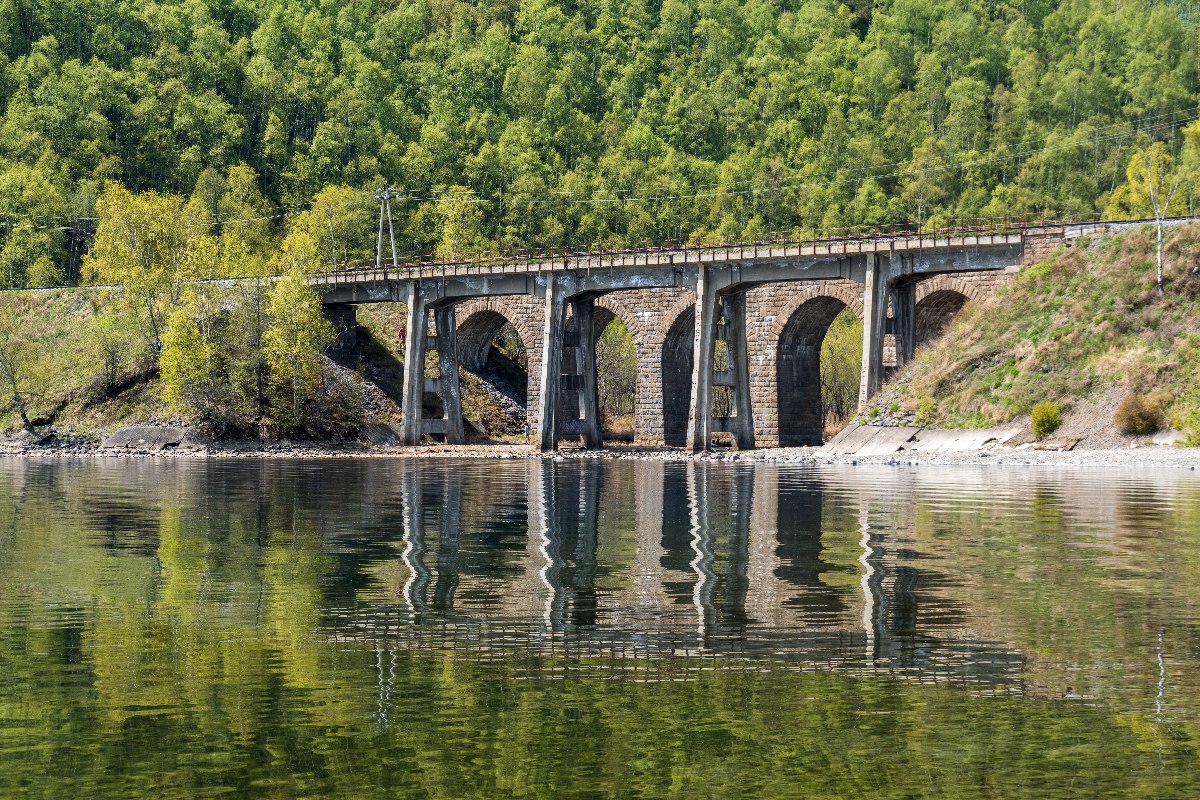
(564, 123)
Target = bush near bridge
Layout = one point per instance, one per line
(1086, 321)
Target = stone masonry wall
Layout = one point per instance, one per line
(801, 310)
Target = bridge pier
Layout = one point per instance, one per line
(700, 418)
(551, 378)
(732, 330)
(417, 343)
(415, 331)
(581, 379)
(720, 318)
(447, 384)
(875, 295)
(584, 317)
(903, 297)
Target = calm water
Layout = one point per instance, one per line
(451, 629)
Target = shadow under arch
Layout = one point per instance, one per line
(935, 312)
(798, 376)
(677, 362)
(478, 335)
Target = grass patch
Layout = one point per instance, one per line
(1084, 320)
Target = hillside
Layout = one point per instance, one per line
(538, 123)
(1085, 329)
(86, 372)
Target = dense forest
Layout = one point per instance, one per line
(506, 124)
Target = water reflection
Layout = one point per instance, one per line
(658, 559)
(149, 599)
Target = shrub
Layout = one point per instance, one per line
(926, 412)
(1191, 429)
(1046, 416)
(1140, 414)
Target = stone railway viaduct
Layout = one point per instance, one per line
(768, 306)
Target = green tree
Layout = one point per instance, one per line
(462, 225)
(31, 246)
(294, 343)
(16, 362)
(616, 370)
(188, 360)
(338, 229)
(841, 365)
(1151, 187)
(150, 245)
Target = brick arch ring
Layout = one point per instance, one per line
(839, 291)
(620, 308)
(668, 318)
(947, 283)
(507, 307)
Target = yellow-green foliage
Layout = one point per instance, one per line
(616, 370)
(1140, 414)
(335, 230)
(188, 358)
(1079, 323)
(296, 336)
(149, 244)
(841, 362)
(926, 411)
(1046, 416)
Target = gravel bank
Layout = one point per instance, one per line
(1153, 457)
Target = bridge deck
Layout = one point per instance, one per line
(715, 255)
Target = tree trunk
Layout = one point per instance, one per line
(1159, 253)
(17, 399)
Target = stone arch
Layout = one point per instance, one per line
(479, 321)
(677, 364)
(938, 301)
(798, 367)
(481, 318)
(842, 291)
(617, 305)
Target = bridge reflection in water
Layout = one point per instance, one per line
(666, 565)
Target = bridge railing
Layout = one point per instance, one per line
(966, 227)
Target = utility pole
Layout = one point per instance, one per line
(384, 196)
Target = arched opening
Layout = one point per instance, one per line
(616, 374)
(489, 345)
(491, 349)
(677, 360)
(816, 384)
(935, 312)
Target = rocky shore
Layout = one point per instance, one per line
(165, 442)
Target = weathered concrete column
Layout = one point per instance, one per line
(551, 377)
(447, 554)
(904, 319)
(700, 417)
(583, 312)
(741, 424)
(874, 311)
(414, 363)
(447, 347)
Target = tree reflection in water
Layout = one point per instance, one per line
(561, 627)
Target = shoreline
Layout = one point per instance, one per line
(1161, 456)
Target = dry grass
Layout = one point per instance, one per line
(62, 330)
(1085, 320)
